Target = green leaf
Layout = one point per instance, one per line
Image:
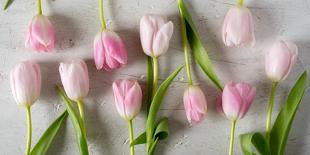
(48, 136)
(7, 4)
(253, 140)
(199, 52)
(76, 121)
(283, 123)
(156, 102)
(149, 84)
(162, 129)
(152, 148)
(139, 140)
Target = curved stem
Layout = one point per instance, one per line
(232, 137)
(132, 148)
(155, 70)
(39, 7)
(103, 25)
(240, 2)
(29, 130)
(186, 51)
(82, 116)
(269, 114)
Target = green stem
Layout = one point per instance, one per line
(269, 114)
(39, 7)
(232, 137)
(82, 116)
(132, 148)
(240, 3)
(155, 79)
(103, 25)
(186, 51)
(29, 130)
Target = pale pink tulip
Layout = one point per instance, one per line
(280, 59)
(195, 104)
(238, 27)
(74, 78)
(237, 99)
(40, 35)
(25, 80)
(109, 51)
(155, 34)
(128, 98)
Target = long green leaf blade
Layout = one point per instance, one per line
(7, 4)
(48, 136)
(81, 137)
(149, 84)
(162, 129)
(199, 52)
(283, 123)
(139, 140)
(156, 102)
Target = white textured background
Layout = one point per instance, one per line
(77, 22)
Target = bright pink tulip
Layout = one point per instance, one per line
(74, 78)
(25, 79)
(155, 34)
(238, 27)
(237, 99)
(109, 51)
(195, 104)
(280, 59)
(40, 35)
(128, 98)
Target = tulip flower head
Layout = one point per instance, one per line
(109, 51)
(128, 98)
(155, 34)
(280, 59)
(74, 78)
(238, 27)
(237, 99)
(195, 104)
(40, 35)
(25, 80)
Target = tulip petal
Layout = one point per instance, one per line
(162, 38)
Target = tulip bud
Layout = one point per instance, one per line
(237, 99)
(128, 98)
(74, 78)
(109, 51)
(25, 80)
(238, 27)
(280, 59)
(40, 35)
(195, 104)
(155, 34)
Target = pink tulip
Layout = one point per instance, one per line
(74, 78)
(155, 34)
(109, 51)
(25, 80)
(238, 27)
(280, 59)
(237, 99)
(128, 98)
(40, 35)
(195, 104)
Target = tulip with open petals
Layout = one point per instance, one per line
(25, 79)
(109, 51)
(74, 78)
(237, 99)
(195, 104)
(40, 35)
(238, 27)
(155, 34)
(128, 98)
(280, 59)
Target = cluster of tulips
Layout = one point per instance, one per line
(110, 53)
